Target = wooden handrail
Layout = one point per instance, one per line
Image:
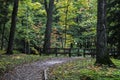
(86, 51)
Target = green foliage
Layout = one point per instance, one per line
(79, 16)
(2, 52)
(34, 51)
(80, 21)
(85, 70)
(113, 22)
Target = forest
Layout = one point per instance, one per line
(35, 29)
(73, 21)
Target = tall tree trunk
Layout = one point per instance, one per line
(118, 49)
(66, 17)
(49, 10)
(2, 38)
(12, 29)
(102, 57)
(4, 19)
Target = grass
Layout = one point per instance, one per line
(81, 69)
(85, 70)
(8, 62)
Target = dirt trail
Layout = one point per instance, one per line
(34, 71)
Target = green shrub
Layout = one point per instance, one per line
(34, 51)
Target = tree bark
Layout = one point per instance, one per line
(49, 10)
(66, 19)
(12, 29)
(2, 38)
(3, 20)
(102, 57)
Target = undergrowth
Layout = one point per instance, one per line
(84, 69)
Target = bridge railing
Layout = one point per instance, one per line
(77, 51)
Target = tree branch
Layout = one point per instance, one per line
(59, 8)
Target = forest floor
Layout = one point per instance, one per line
(35, 70)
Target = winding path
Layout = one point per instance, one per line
(34, 71)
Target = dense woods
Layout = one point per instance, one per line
(113, 23)
(58, 24)
(70, 24)
(81, 37)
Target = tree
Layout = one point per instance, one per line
(13, 26)
(66, 18)
(3, 20)
(102, 57)
(49, 10)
